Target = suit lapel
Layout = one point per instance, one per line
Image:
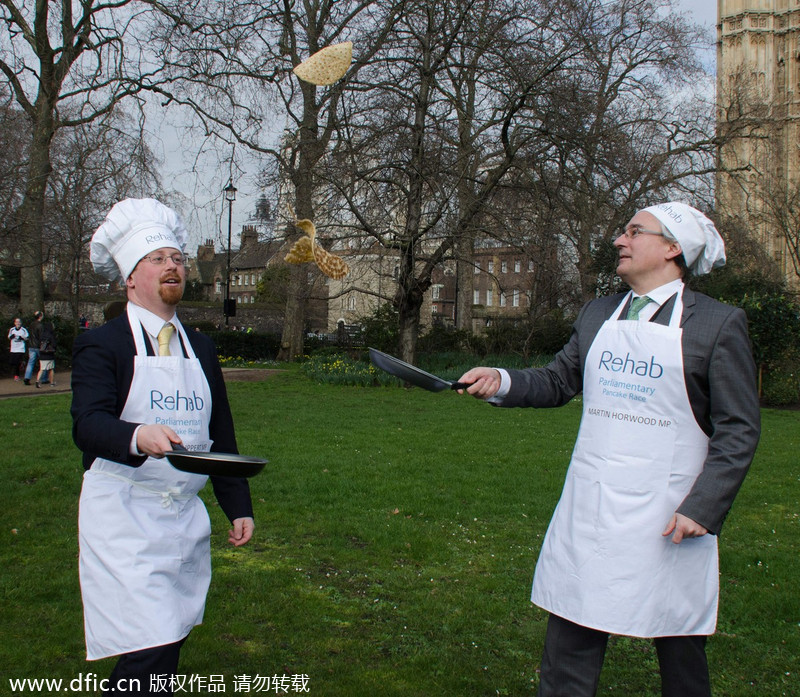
(689, 301)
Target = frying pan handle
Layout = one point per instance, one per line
(460, 385)
(178, 448)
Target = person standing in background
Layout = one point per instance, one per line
(47, 354)
(17, 336)
(33, 345)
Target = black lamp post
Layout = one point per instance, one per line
(228, 307)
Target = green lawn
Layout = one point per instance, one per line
(396, 535)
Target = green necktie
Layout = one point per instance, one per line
(636, 307)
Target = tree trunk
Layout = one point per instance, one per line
(31, 216)
(464, 278)
(294, 320)
(408, 327)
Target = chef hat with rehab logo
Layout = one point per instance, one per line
(702, 246)
(132, 229)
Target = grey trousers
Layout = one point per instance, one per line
(573, 658)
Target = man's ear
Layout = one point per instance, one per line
(129, 282)
(674, 250)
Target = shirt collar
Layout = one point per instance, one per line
(150, 321)
(663, 293)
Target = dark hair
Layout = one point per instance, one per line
(38, 314)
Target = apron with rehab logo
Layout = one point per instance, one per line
(145, 563)
(604, 563)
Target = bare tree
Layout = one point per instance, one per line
(623, 123)
(232, 64)
(94, 165)
(57, 62)
(438, 125)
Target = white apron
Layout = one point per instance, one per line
(604, 563)
(145, 559)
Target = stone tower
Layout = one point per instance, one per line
(758, 84)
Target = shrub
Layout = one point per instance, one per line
(780, 387)
(381, 329)
(249, 346)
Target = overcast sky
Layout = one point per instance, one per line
(703, 11)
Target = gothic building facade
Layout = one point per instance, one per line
(758, 86)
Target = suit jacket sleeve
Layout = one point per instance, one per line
(722, 387)
(102, 371)
(559, 381)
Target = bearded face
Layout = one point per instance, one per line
(157, 287)
(172, 285)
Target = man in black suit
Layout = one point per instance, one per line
(670, 425)
(141, 384)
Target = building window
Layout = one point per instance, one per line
(515, 298)
(489, 298)
(351, 303)
(530, 266)
(503, 267)
(517, 266)
(490, 267)
(476, 297)
(502, 299)
(477, 267)
(436, 291)
(218, 286)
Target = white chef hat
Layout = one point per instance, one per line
(703, 248)
(133, 228)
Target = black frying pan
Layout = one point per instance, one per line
(219, 464)
(412, 374)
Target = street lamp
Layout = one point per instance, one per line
(229, 306)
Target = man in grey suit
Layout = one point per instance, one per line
(670, 425)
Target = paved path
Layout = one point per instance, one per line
(11, 388)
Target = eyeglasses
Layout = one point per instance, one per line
(158, 259)
(633, 231)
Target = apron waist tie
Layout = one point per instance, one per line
(167, 496)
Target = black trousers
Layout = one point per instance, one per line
(132, 674)
(573, 657)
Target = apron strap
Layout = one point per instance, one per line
(147, 345)
(167, 496)
(183, 346)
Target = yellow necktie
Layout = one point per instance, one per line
(163, 339)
